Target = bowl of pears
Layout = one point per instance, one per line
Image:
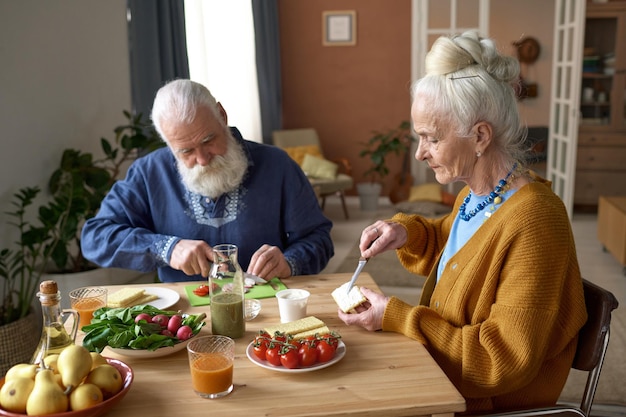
(72, 383)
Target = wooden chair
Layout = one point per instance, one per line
(593, 341)
(307, 140)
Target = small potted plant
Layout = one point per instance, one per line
(377, 148)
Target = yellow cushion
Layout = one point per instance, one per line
(297, 152)
(426, 192)
(316, 167)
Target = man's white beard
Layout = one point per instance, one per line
(223, 174)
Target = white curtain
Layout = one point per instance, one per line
(220, 47)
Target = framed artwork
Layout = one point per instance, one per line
(339, 28)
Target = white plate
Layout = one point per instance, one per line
(167, 297)
(143, 353)
(339, 354)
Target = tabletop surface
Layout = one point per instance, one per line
(381, 374)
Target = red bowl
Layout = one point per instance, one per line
(97, 410)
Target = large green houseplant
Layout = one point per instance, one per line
(396, 140)
(77, 188)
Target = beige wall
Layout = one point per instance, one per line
(64, 81)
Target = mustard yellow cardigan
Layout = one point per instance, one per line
(503, 320)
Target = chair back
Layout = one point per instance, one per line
(593, 338)
(593, 341)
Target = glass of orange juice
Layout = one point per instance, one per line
(85, 301)
(211, 363)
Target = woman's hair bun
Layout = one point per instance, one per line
(459, 53)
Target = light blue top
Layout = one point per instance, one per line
(463, 230)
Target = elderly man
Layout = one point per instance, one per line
(208, 186)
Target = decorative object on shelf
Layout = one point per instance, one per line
(528, 50)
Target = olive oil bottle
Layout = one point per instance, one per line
(54, 336)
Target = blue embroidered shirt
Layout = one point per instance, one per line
(146, 214)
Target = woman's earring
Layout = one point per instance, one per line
(478, 154)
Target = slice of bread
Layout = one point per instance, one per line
(296, 327)
(122, 298)
(319, 330)
(144, 299)
(347, 302)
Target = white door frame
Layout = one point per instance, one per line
(569, 32)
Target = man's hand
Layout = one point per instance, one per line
(193, 257)
(269, 262)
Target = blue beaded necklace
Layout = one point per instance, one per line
(494, 197)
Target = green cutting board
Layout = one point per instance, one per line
(258, 291)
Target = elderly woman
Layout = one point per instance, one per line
(503, 301)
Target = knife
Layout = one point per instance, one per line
(359, 268)
(256, 279)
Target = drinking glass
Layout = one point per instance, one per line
(211, 361)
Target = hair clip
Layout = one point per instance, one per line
(465, 76)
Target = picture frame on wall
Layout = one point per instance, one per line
(339, 28)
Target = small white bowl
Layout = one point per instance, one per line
(253, 307)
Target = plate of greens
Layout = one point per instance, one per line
(141, 331)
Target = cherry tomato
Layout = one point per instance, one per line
(280, 337)
(331, 339)
(289, 357)
(272, 355)
(325, 352)
(260, 349)
(262, 337)
(307, 354)
(202, 290)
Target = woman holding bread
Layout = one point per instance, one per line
(503, 301)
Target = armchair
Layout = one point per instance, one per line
(327, 177)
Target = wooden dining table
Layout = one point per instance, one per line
(381, 373)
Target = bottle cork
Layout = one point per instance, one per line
(48, 287)
(48, 293)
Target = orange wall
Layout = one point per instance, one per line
(346, 92)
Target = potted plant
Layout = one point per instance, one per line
(377, 148)
(81, 182)
(52, 243)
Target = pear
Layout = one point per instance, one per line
(97, 359)
(27, 370)
(46, 397)
(14, 394)
(50, 361)
(74, 364)
(85, 396)
(107, 378)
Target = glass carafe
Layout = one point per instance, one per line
(54, 336)
(227, 297)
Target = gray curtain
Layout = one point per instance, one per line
(267, 42)
(158, 48)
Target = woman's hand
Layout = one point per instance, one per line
(369, 315)
(380, 237)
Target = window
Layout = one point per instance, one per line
(220, 47)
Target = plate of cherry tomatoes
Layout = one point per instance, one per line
(280, 353)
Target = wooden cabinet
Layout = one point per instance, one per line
(601, 160)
